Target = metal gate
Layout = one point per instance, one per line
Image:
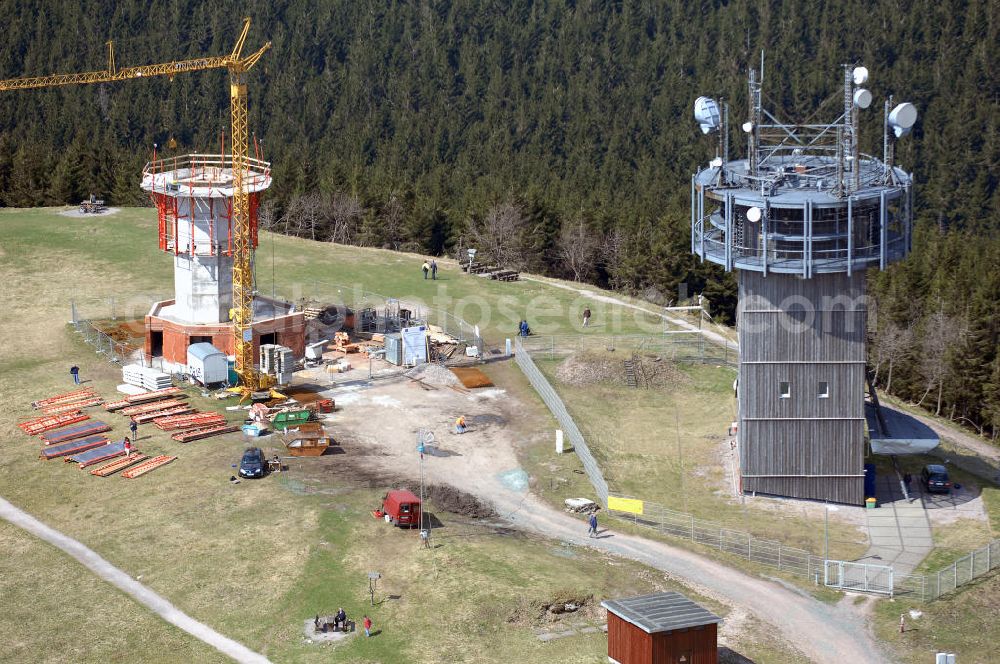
(858, 577)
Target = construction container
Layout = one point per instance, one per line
(290, 419)
(207, 364)
(394, 349)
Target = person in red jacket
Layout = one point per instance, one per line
(368, 626)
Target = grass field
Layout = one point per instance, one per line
(256, 559)
(665, 445)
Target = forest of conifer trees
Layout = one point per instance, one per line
(412, 125)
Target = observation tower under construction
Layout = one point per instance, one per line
(801, 219)
(194, 202)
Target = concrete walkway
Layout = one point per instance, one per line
(153, 601)
(899, 530)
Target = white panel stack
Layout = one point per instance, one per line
(132, 374)
(275, 359)
(155, 380)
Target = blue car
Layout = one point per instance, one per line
(253, 464)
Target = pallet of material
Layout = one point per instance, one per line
(75, 395)
(176, 422)
(204, 432)
(73, 405)
(73, 447)
(142, 418)
(146, 466)
(97, 454)
(153, 396)
(77, 431)
(48, 422)
(112, 406)
(118, 464)
(150, 407)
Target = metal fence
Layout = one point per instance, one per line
(839, 574)
(558, 409)
(679, 346)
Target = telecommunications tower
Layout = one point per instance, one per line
(802, 218)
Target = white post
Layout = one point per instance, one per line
(559, 441)
(508, 349)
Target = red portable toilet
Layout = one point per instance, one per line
(662, 628)
(401, 508)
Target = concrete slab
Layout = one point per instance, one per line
(898, 530)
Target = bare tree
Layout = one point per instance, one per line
(499, 235)
(392, 217)
(615, 251)
(304, 214)
(890, 344)
(941, 335)
(346, 211)
(578, 248)
(267, 215)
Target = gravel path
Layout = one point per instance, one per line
(153, 601)
(824, 633)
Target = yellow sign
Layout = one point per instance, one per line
(630, 505)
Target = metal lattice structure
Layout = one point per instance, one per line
(238, 66)
(802, 218)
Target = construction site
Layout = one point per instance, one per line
(238, 465)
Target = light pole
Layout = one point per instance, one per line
(424, 438)
(826, 530)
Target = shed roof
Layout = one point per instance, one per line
(202, 350)
(661, 612)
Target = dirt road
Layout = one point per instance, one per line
(382, 420)
(153, 601)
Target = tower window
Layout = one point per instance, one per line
(823, 392)
(784, 390)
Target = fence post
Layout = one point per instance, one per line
(692, 528)
(779, 556)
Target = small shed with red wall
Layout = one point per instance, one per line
(662, 628)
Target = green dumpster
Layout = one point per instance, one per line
(290, 419)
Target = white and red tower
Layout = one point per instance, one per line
(193, 195)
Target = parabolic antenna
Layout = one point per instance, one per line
(754, 214)
(748, 127)
(862, 98)
(716, 163)
(706, 113)
(902, 119)
(860, 75)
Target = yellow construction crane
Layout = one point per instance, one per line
(250, 379)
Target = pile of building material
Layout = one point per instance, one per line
(145, 397)
(73, 447)
(157, 414)
(97, 454)
(145, 377)
(76, 431)
(278, 361)
(342, 343)
(189, 421)
(147, 466)
(48, 422)
(62, 399)
(118, 464)
(203, 432)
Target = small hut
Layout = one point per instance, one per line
(662, 628)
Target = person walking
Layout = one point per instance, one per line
(134, 428)
(367, 622)
(434, 269)
(592, 521)
(586, 317)
(74, 371)
(128, 446)
(426, 268)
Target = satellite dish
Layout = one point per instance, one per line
(706, 113)
(754, 214)
(860, 75)
(862, 98)
(902, 119)
(748, 127)
(716, 163)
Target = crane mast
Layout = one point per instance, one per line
(238, 66)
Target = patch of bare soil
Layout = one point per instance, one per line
(356, 474)
(533, 612)
(588, 368)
